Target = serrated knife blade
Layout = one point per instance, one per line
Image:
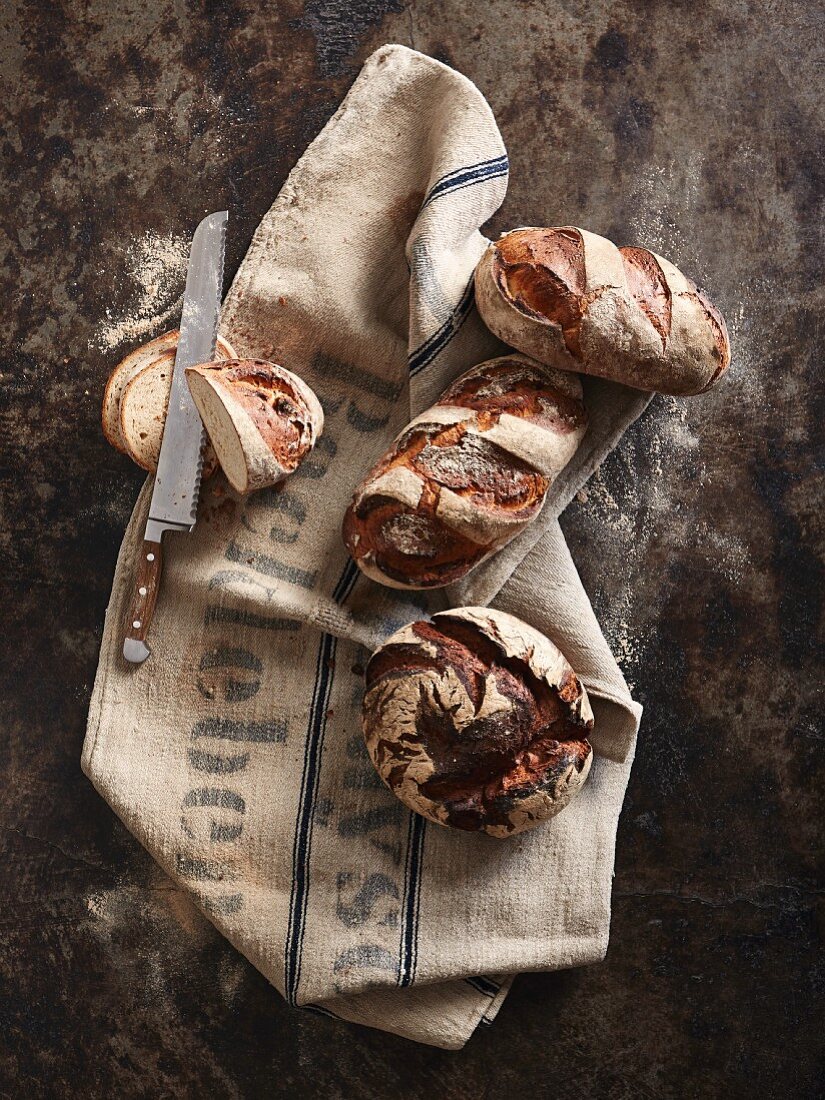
(175, 494)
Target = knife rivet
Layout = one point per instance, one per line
(142, 590)
(150, 557)
(136, 624)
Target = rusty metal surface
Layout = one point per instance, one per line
(695, 129)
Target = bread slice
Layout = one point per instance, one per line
(143, 404)
(262, 420)
(120, 378)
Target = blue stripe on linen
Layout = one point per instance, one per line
(306, 808)
(436, 343)
(412, 900)
(467, 176)
(458, 179)
(302, 844)
(483, 985)
(345, 585)
(465, 168)
(320, 1010)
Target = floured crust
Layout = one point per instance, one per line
(477, 721)
(261, 419)
(467, 475)
(574, 300)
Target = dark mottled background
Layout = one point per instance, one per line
(694, 128)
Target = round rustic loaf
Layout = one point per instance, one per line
(477, 721)
(467, 475)
(262, 419)
(574, 300)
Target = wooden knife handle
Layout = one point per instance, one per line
(142, 605)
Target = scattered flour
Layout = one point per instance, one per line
(626, 514)
(155, 269)
(96, 904)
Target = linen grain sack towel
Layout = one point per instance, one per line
(234, 754)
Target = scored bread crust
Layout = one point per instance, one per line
(262, 419)
(467, 475)
(575, 301)
(477, 721)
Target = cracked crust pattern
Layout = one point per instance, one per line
(263, 420)
(574, 300)
(467, 475)
(477, 721)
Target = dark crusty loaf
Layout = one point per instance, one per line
(467, 475)
(574, 300)
(477, 721)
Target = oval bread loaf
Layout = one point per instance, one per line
(262, 420)
(477, 721)
(136, 397)
(467, 475)
(574, 300)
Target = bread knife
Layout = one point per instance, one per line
(175, 495)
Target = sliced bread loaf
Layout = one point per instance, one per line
(142, 389)
(262, 420)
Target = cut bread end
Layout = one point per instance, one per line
(262, 420)
(220, 428)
